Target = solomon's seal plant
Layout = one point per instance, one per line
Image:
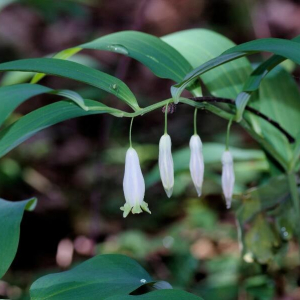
(191, 60)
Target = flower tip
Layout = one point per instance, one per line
(199, 192)
(145, 207)
(136, 209)
(126, 210)
(169, 192)
(228, 203)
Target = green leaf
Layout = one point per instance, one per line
(177, 89)
(44, 117)
(279, 99)
(77, 72)
(163, 60)
(286, 48)
(160, 295)
(199, 46)
(253, 82)
(11, 214)
(61, 55)
(98, 278)
(72, 96)
(12, 96)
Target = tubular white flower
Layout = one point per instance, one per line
(133, 185)
(196, 163)
(227, 177)
(166, 166)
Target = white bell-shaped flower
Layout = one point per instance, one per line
(166, 166)
(196, 163)
(133, 185)
(227, 177)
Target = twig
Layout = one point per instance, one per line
(210, 99)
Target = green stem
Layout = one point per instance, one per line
(195, 121)
(166, 119)
(130, 128)
(228, 133)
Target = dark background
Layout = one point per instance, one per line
(75, 168)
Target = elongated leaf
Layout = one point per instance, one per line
(160, 295)
(72, 96)
(15, 77)
(177, 89)
(162, 59)
(254, 80)
(11, 214)
(30, 124)
(199, 46)
(286, 48)
(12, 96)
(98, 278)
(74, 71)
(61, 55)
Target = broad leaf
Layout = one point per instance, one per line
(199, 46)
(160, 295)
(77, 72)
(39, 119)
(98, 278)
(11, 214)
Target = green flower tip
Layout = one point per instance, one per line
(134, 209)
